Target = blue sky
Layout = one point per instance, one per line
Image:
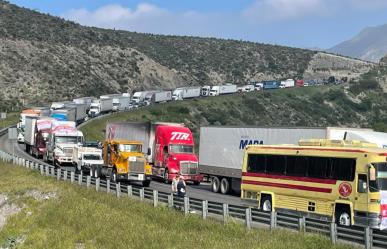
(298, 23)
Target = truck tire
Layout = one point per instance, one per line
(113, 175)
(224, 186)
(215, 184)
(91, 171)
(266, 203)
(96, 172)
(146, 183)
(343, 216)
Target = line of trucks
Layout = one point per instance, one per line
(139, 151)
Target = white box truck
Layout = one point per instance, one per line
(158, 97)
(121, 103)
(80, 111)
(287, 83)
(186, 92)
(221, 148)
(100, 106)
(224, 89)
(139, 97)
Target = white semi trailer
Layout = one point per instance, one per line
(221, 148)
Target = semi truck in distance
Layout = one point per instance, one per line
(224, 89)
(158, 97)
(186, 92)
(100, 106)
(36, 133)
(121, 103)
(205, 91)
(270, 84)
(84, 158)
(287, 83)
(221, 148)
(62, 138)
(30, 112)
(64, 114)
(169, 146)
(139, 97)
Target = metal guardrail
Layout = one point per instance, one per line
(252, 217)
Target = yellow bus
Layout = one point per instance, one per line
(333, 180)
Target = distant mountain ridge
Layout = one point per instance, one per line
(46, 58)
(370, 44)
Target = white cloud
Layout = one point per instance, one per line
(272, 10)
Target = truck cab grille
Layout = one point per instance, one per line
(68, 151)
(189, 168)
(138, 166)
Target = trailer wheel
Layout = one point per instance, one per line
(215, 184)
(224, 186)
(196, 183)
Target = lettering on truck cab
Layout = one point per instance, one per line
(179, 136)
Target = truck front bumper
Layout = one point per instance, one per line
(134, 177)
(64, 160)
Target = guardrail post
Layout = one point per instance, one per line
(186, 205)
(142, 193)
(130, 191)
(36, 165)
(97, 184)
(204, 209)
(333, 232)
(88, 181)
(65, 175)
(108, 186)
(225, 212)
(52, 171)
(72, 176)
(368, 237)
(58, 173)
(273, 220)
(80, 178)
(155, 198)
(118, 189)
(47, 170)
(248, 218)
(170, 201)
(41, 169)
(301, 224)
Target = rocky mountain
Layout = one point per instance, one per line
(370, 44)
(45, 58)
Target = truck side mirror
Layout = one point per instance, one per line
(149, 152)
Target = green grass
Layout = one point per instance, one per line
(99, 220)
(12, 118)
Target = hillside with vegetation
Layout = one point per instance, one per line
(46, 58)
(357, 104)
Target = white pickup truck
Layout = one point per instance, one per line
(85, 157)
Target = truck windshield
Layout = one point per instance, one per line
(92, 157)
(130, 147)
(381, 177)
(116, 104)
(181, 148)
(68, 140)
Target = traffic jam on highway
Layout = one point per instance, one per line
(328, 173)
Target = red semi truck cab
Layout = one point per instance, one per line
(174, 154)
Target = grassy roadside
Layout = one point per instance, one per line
(12, 118)
(75, 217)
